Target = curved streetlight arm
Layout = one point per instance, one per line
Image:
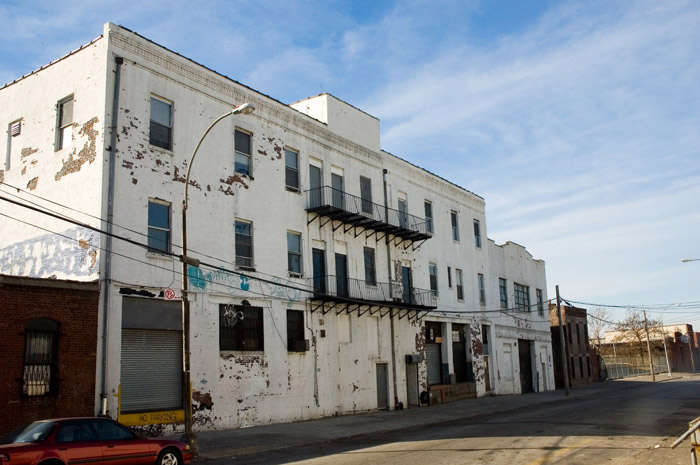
(686, 260)
(245, 108)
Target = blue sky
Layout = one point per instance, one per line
(578, 121)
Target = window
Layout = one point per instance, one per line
(455, 226)
(64, 123)
(242, 148)
(244, 244)
(477, 233)
(449, 277)
(540, 302)
(522, 297)
(161, 124)
(503, 291)
(295, 331)
(460, 285)
(428, 216)
(158, 226)
(108, 430)
(76, 431)
(366, 195)
(291, 169)
(482, 290)
(240, 327)
(370, 267)
(40, 376)
(293, 253)
(432, 271)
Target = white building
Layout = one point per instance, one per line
(315, 247)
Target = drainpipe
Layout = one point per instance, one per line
(108, 240)
(391, 316)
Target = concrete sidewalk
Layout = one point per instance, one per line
(237, 442)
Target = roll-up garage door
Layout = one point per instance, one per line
(433, 359)
(151, 370)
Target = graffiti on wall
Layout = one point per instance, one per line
(222, 280)
(71, 254)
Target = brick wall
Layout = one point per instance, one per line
(74, 306)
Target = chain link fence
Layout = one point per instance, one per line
(627, 367)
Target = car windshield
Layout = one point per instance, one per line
(33, 432)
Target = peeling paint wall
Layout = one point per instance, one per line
(66, 181)
(338, 374)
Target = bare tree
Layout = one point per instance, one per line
(631, 330)
(598, 323)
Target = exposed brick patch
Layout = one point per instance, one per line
(31, 185)
(87, 154)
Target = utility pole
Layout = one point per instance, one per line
(651, 362)
(564, 357)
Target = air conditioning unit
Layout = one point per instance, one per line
(300, 346)
(414, 358)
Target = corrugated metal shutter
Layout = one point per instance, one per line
(151, 370)
(434, 361)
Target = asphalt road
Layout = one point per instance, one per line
(617, 426)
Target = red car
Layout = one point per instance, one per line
(88, 441)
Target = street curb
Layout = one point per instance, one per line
(234, 452)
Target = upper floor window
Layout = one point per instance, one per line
(158, 226)
(432, 271)
(240, 327)
(40, 377)
(244, 244)
(428, 206)
(522, 297)
(460, 284)
(243, 153)
(503, 291)
(540, 302)
(482, 289)
(477, 233)
(455, 226)
(161, 124)
(294, 253)
(64, 123)
(291, 169)
(370, 268)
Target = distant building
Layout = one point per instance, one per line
(583, 363)
(681, 345)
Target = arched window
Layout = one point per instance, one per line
(40, 358)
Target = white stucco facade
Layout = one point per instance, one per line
(356, 355)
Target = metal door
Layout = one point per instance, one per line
(316, 192)
(525, 365)
(407, 284)
(382, 386)
(433, 357)
(338, 196)
(151, 370)
(319, 266)
(341, 274)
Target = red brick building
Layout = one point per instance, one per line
(582, 365)
(47, 350)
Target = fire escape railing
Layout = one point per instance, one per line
(350, 209)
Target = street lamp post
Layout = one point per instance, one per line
(245, 109)
(686, 260)
(663, 335)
